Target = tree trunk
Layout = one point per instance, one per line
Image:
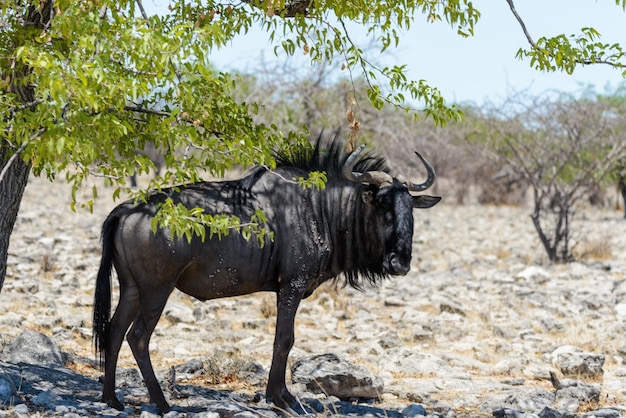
(547, 244)
(11, 191)
(622, 189)
(536, 218)
(14, 170)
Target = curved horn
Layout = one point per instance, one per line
(376, 178)
(429, 181)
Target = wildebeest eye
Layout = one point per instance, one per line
(384, 202)
(383, 205)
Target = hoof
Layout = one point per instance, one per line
(162, 406)
(114, 403)
(164, 409)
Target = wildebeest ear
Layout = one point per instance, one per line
(367, 196)
(425, 201)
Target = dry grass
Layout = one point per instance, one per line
(598, 249)
(472, 413)
(84, 369)
(268, 307)
(503, 254)
(227, 370)
(589, 406)
(48, 262)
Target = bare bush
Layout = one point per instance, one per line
(564, 147)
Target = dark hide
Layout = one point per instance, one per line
(361, 230)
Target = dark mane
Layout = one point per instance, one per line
(329, 156)
(330, 159)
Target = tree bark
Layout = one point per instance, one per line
(11, 191)
(622, 189)
(15, 171)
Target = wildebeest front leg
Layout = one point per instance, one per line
(288, 299)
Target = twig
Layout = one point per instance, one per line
(246, 407)
(96, 174)
(140, 109)
(22, 147)
(522, 24)
(26, 106)
(141, 9)
(290, 8)
(270, 171)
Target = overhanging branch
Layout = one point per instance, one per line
(146, 110)
(22, 147)
(583, 61)
(282, 8)
(522, 24)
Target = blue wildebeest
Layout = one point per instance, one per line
(360, 225)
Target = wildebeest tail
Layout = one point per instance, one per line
(102, 298)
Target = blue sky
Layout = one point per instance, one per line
(482, 67)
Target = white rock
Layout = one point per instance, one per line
(574, 362)
(533, 273)
(176, 313)
(620, 311)
(413, 362)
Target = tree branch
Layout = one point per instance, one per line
(22, 147)
(291, 8)
(586, 61)
(141, 9)
(25, 106)
(140, 109)
(522, 24)
(96, 174)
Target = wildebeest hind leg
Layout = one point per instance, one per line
(288, 299)
(124, 314)
(139, 338)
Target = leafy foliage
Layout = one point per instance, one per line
(108, 79)
(566, 53)
(103, 79)
(189, 222)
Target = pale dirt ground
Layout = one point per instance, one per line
(464, 302)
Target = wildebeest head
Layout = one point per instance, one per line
(390, 207)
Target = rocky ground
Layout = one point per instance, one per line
(482, 326)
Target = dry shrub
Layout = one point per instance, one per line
(599, 249)
(591, 405)
(228, 367)
(468, 412)
(501, 188)
(48, 262)
(268, 308)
